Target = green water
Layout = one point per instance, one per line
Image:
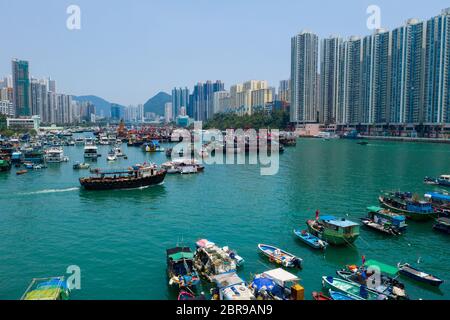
(118, 238)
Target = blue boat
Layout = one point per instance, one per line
(281, 257)
(311, 240)
(418, 275)
(335, 295)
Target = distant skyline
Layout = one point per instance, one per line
(127, 52)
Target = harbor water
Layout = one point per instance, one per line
(118, 238)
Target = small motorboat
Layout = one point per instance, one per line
(319, 296)
(442, 225)
(281, 257)
(111, 157)
(407, 270)
(311, 240)
(354, 290)
(363, 143)
(21, 172)
(79, 166)
(336, 295)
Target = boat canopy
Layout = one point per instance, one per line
(438, 196)
(341, 223)
(225, 280)
(280, 276)
(182, 255)
(374, 209)
(384, 268)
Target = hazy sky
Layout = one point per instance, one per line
(126, 51)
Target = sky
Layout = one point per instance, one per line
(127, 51)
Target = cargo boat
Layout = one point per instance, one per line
(130, 178)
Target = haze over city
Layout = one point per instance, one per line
(127, 52)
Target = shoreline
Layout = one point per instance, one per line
(393, 139)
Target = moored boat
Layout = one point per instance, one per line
(311, 240)
(440, 202)
(229, 286)
(231, 253)
(47, 289)
(81, 165)
(407, 270)
(180, 268)
(334, 231)
(354, 290)
(280, 256)
(406, 204)
(134, 177)
(211, 260)
(319, 296)
(384, 221)
(443, 180)
(277, 284)
(442, 225)
(336, 295)
(21, 172)
(377, 277)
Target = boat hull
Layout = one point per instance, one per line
(131, 183)
(336, 240)
(408, 214)
(410, 272)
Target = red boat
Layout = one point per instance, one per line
(319, 296)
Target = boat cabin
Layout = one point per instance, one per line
(278, 283)
(231, 287)
(342, 226)
(383, 217)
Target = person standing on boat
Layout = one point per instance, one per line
(317, 214)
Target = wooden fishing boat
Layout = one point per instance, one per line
(384, 221)
(131, 178)
(311, 240)
(180, 267)
(211, 260)
(334, 231)
(202, 243)
(319, 296)
(281, 257)
(20, 172)
(418, 275)
(442, 225)
(354, 290)
(443, 180)
(336, 295)
(403, 203)
(5, 165)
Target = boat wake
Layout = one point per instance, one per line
(45, 191)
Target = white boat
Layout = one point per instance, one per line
(55, 155)
(118, 152)
(90, 152)
(231, 287)
(111, 156)
(103, 140)
(183, 166)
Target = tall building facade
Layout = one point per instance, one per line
(180, 98)
(203, 99)
(329, 79)
(284, 91)
(437, 69)
(304, 59)
(22, 89)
